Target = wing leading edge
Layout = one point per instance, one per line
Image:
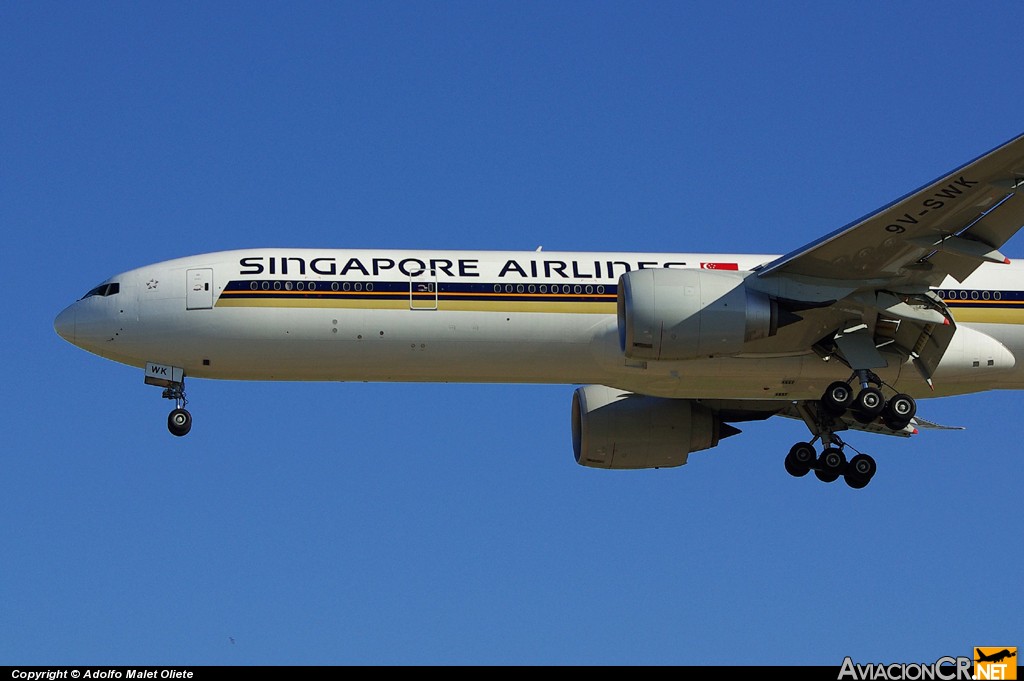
(947, 227)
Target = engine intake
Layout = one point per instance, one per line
(674, 314)
(618, 429)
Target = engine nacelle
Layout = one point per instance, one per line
(672, 314)
(618, 429)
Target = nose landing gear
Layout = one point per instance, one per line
(172, 380)
(179, 421)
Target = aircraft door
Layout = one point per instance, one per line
(199, 289)
(423, 290)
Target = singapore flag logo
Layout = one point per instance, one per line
(719, 266)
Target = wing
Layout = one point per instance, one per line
(948, 227)
(867, 285)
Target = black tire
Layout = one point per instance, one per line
(837, 398)
(900, 407)
(859, 471)
(862, 466)
(803, 454)
(795, 469)
(832, 461)
(179, 422)
(801, 459)
(869, 402)
(861, 417)
(895, 424)
(855, 482)
(826, 477)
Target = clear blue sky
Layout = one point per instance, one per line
(408, 524)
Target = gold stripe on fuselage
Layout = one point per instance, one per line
(991, 313)
(564, 307)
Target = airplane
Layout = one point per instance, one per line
(667, 350)
(996, 657)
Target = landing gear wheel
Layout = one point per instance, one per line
(831, 464)
(800, 459)
(856, 483)
(837, 398)
(825, 477)
(860, 470)
(900, 407)
(896, 424)
(861, 417)
(869, 402)
(179, 422)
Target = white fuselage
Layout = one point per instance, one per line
(487, 317)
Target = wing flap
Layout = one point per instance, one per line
(960, 255)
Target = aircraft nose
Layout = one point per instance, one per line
(64, 324)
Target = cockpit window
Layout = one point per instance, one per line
(104, 290)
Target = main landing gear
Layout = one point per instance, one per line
(824, 417)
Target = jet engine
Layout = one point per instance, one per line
(618, 429)
(674, 314)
